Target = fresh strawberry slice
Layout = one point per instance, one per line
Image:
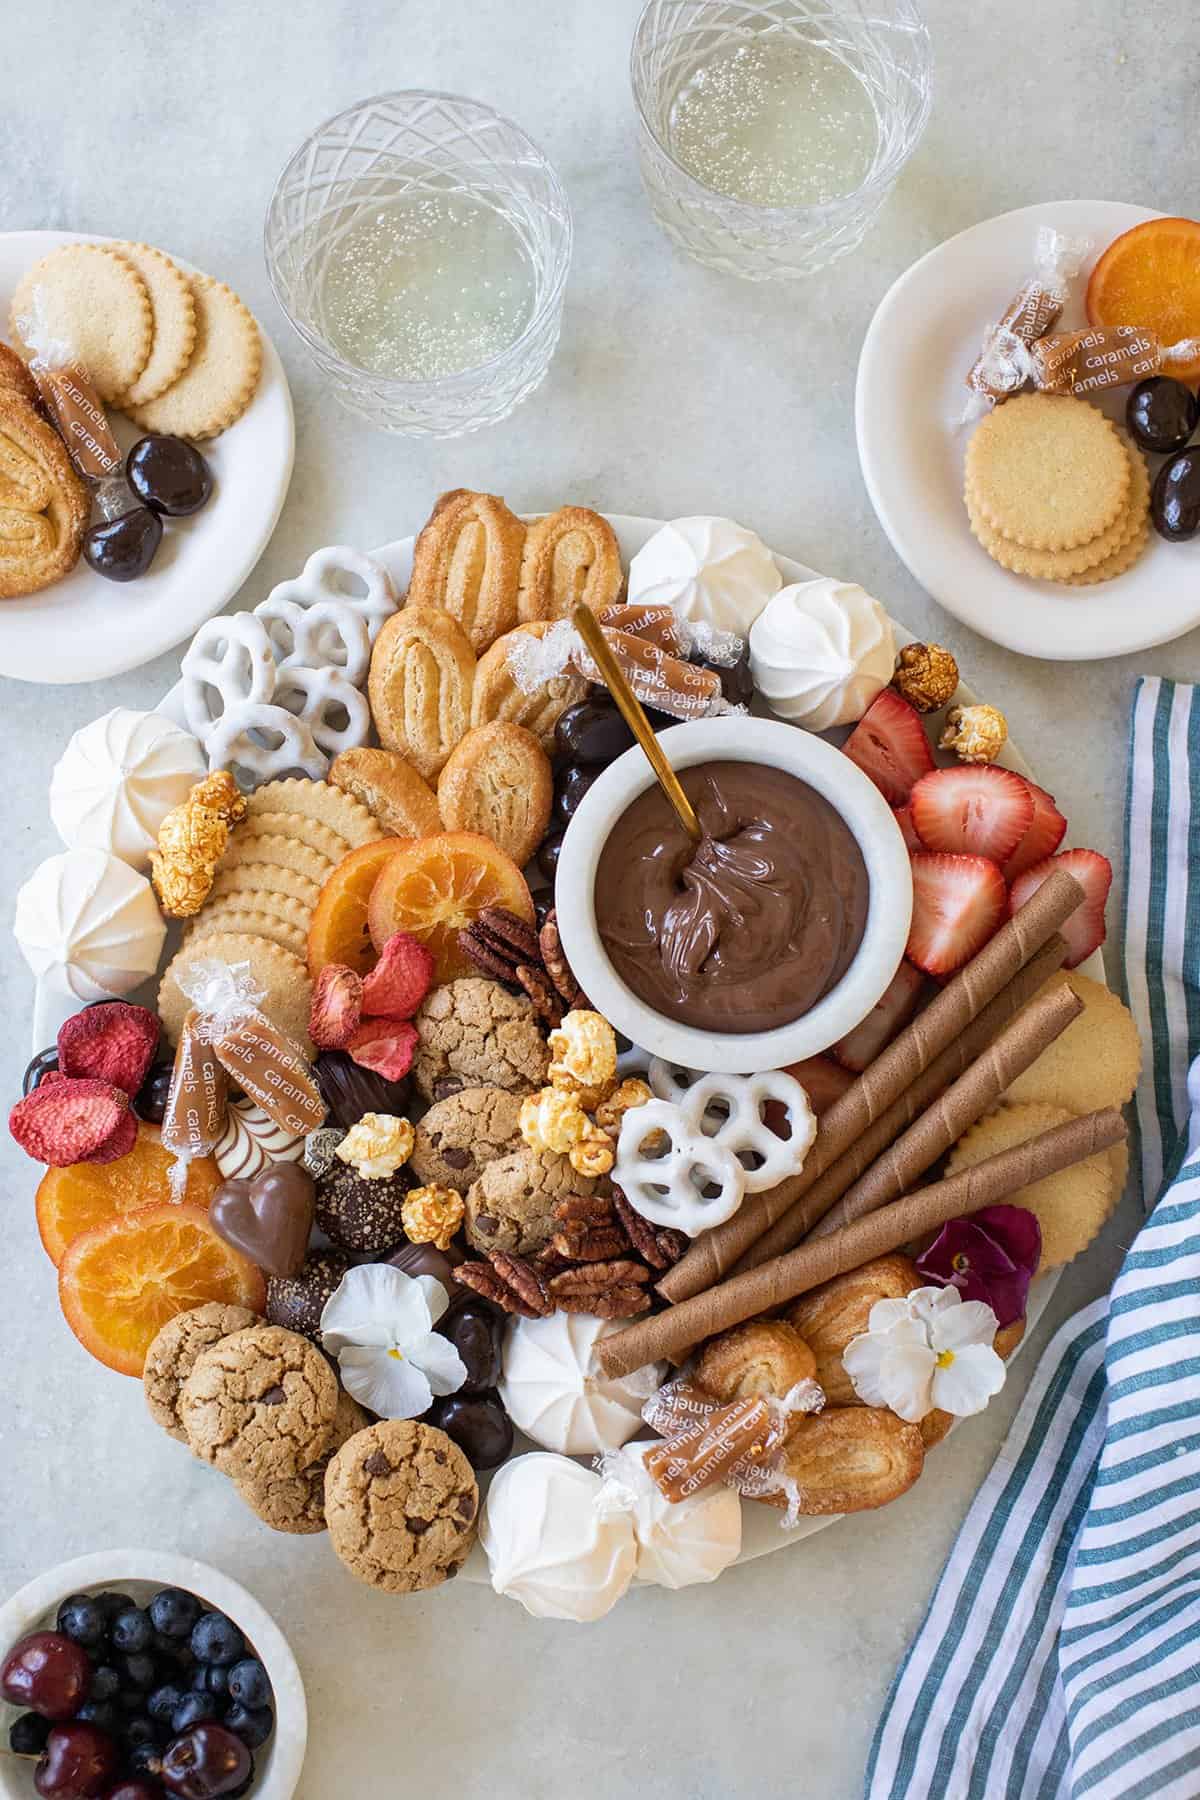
(894, 1008)
(1084, 929)
(823, 1080)
(973, 810)
(1047, 832)
(908, 831)
(889, 745)
(958, 901)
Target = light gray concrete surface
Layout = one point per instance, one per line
(675, 390)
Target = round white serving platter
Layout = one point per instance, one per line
(910, 394)
(85, 628)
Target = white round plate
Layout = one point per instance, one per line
(761, 1531)
(85, 628)
(924, 337)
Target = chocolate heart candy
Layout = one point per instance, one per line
(268, 1219)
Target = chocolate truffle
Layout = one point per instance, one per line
(359, 1214)
(297, 1301)
(349, 1090)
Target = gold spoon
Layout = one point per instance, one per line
(589, 628)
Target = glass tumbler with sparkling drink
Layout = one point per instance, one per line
(770, 134)
(419, 244)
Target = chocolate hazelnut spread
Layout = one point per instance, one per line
(748, 929)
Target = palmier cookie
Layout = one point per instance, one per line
(88, 297)
(315, 800)
(390, 788)
(848, 1459)
(44, 507)
(220, 377)
(497, 781)
(174, 312)
(1047, 471)
(16, 383)
(422, 673)
(497, 696)
(467, 560)
(765, 1356)
(829, 1316)
(570, 556)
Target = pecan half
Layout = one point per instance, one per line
(508, 1282)
(659, 1244)
(608, 1290)
(546, 1003)
(556, 965)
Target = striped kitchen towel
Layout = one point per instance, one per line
(1060, 1656)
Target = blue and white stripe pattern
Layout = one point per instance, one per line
(1060, 1656)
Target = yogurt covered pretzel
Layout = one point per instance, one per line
(327, 633)
(732, 1111)
(229, 663)
(318, 582)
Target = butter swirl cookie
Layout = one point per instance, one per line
(497, 781)
(570, 556)
(422, 674)
(467, 560)
(44, 506)
(497, 694)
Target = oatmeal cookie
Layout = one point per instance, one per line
(474, 1031)
(172, 1356)
(401, 1503)
(260, 1404)
(511, 1206)
(459, 1136)
(296, 1503)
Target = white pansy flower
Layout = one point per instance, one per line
(379, 1325)
(931, 1350)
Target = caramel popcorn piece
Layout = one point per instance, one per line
(976, 734)
(630, 1093)
(221, 793)
(432, 1215)
(377, 1146)
(553, 1120)
(191, 842)
(926, 675)
(593, 1154)
(584, 1057)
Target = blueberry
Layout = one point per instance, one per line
(131, 1631)
(143, 1758)
(105, 1683)
(210, 1680)
(140, 1732)
(192, 1709)
(104, 1714)
(175, 1652)
(27, 1735)
(253, 1724)
(80, 1619)
(111, 1603)
(250, 1683)
(173, 1612)
(163, 1701)
(216, 1639)
(140, 1671)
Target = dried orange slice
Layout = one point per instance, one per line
(78, 1198)
(434, 886)
(338, 929)
(1150, 276)
(119, 1283)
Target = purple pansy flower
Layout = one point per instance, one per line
(991, 1256)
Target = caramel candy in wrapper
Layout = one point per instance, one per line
(659, 679)
(1084, 362)
(195, 1113)
(1033, 309)
(657, 624)
(78, 415)
(266, 1063)
(712, 1448)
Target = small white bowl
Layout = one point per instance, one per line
(889, 909)
(140, 1573)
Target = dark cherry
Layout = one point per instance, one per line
(592, 731)
(423, 1259)
(133, 1790)
(547, 857)
(168, 474)
(121, 549)
(1161, 413)
(204, 1763)
(737, 683)
(1175, 498)
(478, 1424)
(570, 788)
(150, 1101)
(46, 1673)
(78, 1763)
(475, 1332)
(349, 1091)
(43, 1064)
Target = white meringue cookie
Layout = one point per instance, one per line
(679, 1543)
(553, 1390)
(548, 1543)
(90, 929)
(713, 571)
(118, 778)
(821, 651)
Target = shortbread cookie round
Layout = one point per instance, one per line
(220, 378)
(467, 561)
(91, 299)
(317, 800)
(422, 673)
(1096, 1061)
(174, 313)
(497, 781)
(225, 916)
(390, 789)
(1070, 1206)
(274, 850)
(1129, 553)
(401, 1501)
(1058, 565)
(260, 1404)
(282, 977)
(282, 907)
(173, 1353)
(497, 696)
(271, 878)
(1047, 471)
(320, 837)
(571, 557)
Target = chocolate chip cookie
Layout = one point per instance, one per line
(459, 1136)
(475, 1033)
(401, 1501)
(172, 1356)
(260, 1404)
(511, 1206)
(296, 1503)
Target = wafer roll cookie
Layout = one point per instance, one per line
(895, 1069)
(668, 1334)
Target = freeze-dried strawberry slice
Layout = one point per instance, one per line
(336, 1010)
(1045, 834)
(400, 979)
(73, 1119)
(889, 745)
(972, 811)
(1084, 929)
(114, 1042)
(385, 1045)
(894, 1008)
(958, 902)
